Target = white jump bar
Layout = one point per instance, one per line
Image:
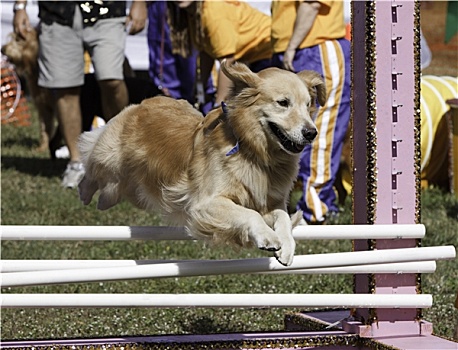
(93, 233)
(215, 300)
(216, 267)
(8, 266)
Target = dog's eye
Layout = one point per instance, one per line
(309, 103)
(283, 102)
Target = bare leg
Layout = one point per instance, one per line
(69, 115)
(114, 96)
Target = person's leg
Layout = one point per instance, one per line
(186, 76)
(173, 74)
(319, 163)
(67, 101)
(68, 112)
(105, 42)
(114, 96)
(61, 69)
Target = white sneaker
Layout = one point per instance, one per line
(73, 174)
(62, 153)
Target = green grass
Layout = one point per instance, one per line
(31, 195)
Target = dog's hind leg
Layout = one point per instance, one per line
(87, 189)
(109, 196)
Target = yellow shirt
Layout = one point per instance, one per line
(329, 24)
(235, 28)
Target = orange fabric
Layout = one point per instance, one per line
(235, 28)
(330, 21)
(348, 31)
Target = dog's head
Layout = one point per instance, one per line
(282, 102)
(23, 53)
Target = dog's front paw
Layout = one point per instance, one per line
(285, 255)
(266, 240)
(269, 245)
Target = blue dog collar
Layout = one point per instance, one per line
(234, 150)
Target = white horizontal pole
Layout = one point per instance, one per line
(216, 300)
(220, 267)
(403, 231)
(97, 233)
(8, 266)
(92, 233)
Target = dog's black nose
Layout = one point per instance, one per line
(309, 134)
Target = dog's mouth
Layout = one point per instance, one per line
(285, 141)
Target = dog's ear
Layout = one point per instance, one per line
(241, 75)
(315, 84)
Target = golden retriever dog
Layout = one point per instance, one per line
(23, 53)
(225, 177)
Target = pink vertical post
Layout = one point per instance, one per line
(386, 121)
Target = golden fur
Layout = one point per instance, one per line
(23, 53)
(163, 155)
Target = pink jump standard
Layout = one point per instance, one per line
(386, 156)
(385, 149)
